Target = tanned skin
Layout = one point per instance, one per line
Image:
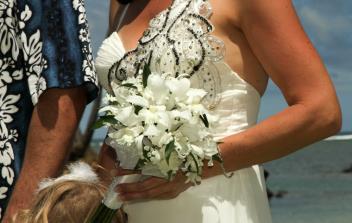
(54, 121)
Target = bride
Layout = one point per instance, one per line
(230, 48)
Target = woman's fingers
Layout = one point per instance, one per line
(141, 186)
(144, 195)
(153, 188)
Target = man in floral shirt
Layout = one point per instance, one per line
(46, 79)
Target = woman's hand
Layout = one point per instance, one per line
(153, 188)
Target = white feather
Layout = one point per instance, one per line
(78, 171)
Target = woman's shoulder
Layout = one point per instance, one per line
(239, 11)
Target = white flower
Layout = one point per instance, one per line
(183, 116)
(194, 96)
(126, 136)
(194, 133)
(197, 151)
(89, 68)
(179, 87)
(3, 191)
(5, 77)
(7, 105)
(6, 153)
(25, 16)
(156, 89)
(168, 132)
(78, 5)
(181, 145)
(155, 157)
(209, 146)
(127, 116)
(151, 131)
(83, 35)
(137, 100)
(120, 93)
(173, 165)
(8, 174)
(37, 85)
(193, 177)
(156, 115)
(8, 35)
(161, 138)
(32, 51)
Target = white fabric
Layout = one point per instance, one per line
(241, 199)
(111, 50)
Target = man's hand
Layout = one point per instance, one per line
(54, 121)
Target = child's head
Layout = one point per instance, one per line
(70, 198)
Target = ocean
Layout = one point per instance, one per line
(317, 189)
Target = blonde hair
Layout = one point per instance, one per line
(68, 201)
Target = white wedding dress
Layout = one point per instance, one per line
(178, 35)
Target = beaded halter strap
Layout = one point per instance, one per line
(178, 41)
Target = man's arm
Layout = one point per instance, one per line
(54, 121)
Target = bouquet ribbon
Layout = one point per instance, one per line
(111, 199)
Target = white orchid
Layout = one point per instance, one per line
(179, 88)
(157, 89)
(173, 165)
(126, 136)
(160, 119)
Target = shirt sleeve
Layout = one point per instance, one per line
(56, 48)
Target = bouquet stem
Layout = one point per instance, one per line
(102, 214)
(111, 203)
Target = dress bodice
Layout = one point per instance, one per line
(179, 41)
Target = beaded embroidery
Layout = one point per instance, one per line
(178, 41)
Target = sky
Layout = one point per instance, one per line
(328, 24)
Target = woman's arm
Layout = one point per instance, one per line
(280, 43)
(278, 40)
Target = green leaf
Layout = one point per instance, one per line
(146, 73)
(218, 158)
(115, 103)
(139, 164)
(168, 150)
(195, 162)
(129, 85)
(103, 120)
(137, 109)
(205, 120)
(170, 175)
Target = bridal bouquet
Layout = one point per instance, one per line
(158, 125)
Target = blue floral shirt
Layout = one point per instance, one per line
(44, 44)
